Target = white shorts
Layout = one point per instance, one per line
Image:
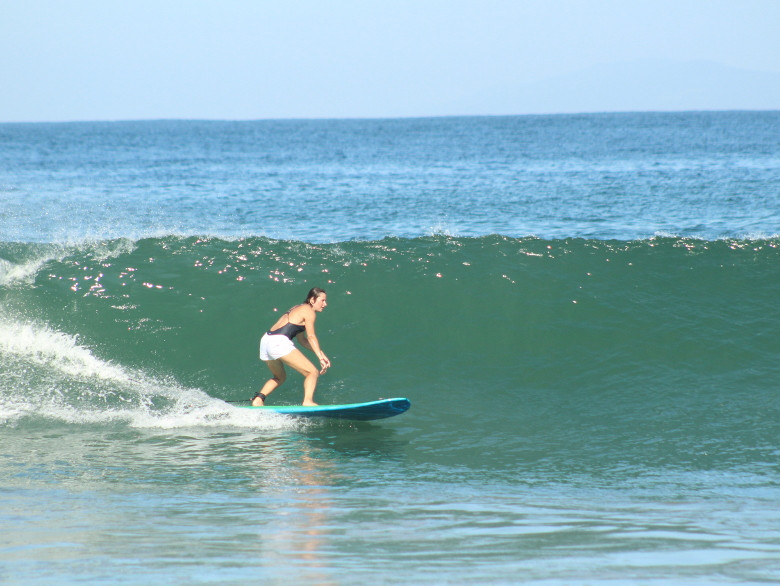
(273, 347)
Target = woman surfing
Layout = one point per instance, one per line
(277, 348)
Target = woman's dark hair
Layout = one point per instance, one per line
(314, 293)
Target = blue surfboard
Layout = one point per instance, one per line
(357, 411)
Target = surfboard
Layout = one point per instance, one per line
(356, 411)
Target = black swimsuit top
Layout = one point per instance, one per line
(289, 329)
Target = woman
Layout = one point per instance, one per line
(277, 348)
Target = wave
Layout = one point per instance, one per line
(161, 331)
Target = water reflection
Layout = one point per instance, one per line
(271, 501)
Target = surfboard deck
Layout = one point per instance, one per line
(356, 411)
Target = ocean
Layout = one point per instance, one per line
(582, 310)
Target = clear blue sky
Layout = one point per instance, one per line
(251, 59)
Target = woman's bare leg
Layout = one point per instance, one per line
(277, 369)
(297, 360)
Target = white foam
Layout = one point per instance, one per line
(755, 236)
(42, 345)
(74, 386)
(214, 414)
(24, 273)
(441, 228)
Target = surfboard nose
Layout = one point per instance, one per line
(400, 405)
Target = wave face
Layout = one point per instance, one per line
(664, 347)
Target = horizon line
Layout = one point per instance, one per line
(407, 117)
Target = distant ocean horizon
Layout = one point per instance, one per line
(581, 308)
(624, 86)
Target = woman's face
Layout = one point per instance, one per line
(320, 302)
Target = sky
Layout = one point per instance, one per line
(65, 60)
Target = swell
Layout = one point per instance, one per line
(661, 336)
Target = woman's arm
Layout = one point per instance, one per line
(310, 341)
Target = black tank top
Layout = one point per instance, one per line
(289, 329)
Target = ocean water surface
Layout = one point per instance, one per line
(581, 309)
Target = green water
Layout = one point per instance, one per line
(581, 410)
(594, 405)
